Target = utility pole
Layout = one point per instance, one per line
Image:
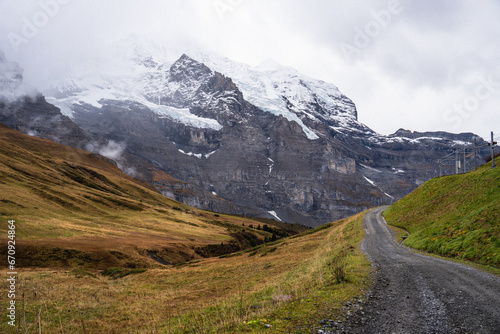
(475, 153)
(492, 151)
(457, 161)
(465, 157)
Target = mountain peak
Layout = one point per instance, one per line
(188, 68)
(402, 133)
(185, 57)
(283, 91)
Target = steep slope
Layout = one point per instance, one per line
(73, 207)
(457, 216)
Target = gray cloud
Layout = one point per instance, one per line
(407, 71)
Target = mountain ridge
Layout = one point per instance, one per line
(309, 160)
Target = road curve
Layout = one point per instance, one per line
(414, 293)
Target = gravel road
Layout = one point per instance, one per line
(414, 293)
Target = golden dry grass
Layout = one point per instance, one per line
(286, 278)
(65, 198)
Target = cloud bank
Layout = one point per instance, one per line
(420, 65)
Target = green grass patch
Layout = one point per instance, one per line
(454, 216)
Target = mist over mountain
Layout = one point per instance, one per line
(12, 86)
(220, 135)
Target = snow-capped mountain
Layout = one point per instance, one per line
(284, 91)
(265, 140)
(140, 71)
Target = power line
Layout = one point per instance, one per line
(465, 157)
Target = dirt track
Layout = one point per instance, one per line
(414, 293)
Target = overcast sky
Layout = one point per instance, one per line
(423, 65)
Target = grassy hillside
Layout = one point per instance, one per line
(290, 285)
(456, 216)
(75, 208)
(100, 252)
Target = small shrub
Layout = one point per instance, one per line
(337, 266)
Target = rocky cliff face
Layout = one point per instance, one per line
(259, 141)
